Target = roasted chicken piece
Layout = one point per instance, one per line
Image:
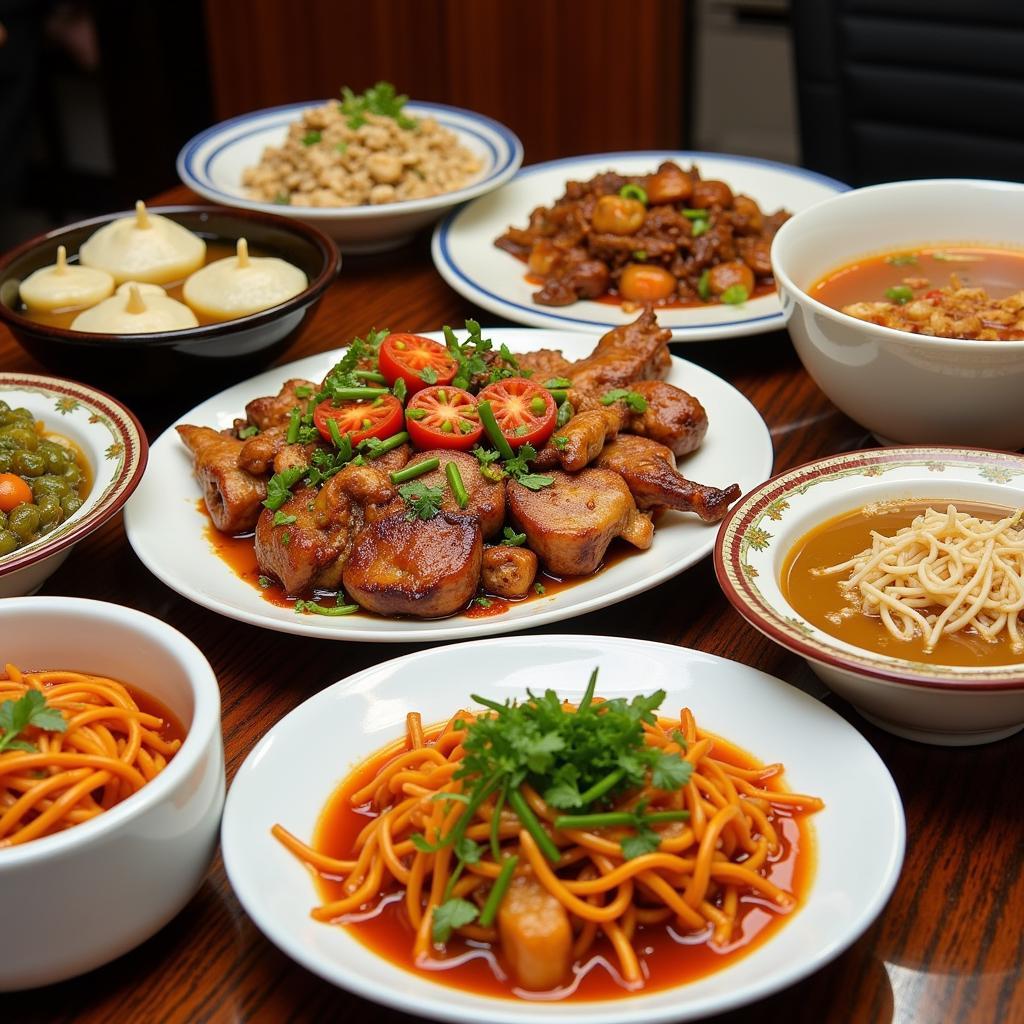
(427, 568)
(274, 410)
(536, 936)
(636, 351)
(270, 452)
(673, 417)
(486, 497)
(571, 523)
(649, 471)
(257, 453)
(233, 497)
(309, 551)
(508, 571)
(585, 435)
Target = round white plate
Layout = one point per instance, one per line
(293, 770)
(467, 258)
(166, 528)
(212, 162)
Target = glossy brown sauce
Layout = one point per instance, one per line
(215, 250)
(668, 957)
(239, 553)
(613, 299)
(999, 271)
(819, 600)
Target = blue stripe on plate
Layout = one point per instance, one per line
(446, 225)
(187, 157)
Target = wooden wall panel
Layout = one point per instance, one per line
(569, 76)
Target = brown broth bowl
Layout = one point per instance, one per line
(192, 362)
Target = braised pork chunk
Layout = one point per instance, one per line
(571, 523)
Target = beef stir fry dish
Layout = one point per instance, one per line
(418, 478)
(667, 238)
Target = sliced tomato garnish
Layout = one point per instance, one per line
(443, 417)
(371, 417)
(420, 362)
(525, 411)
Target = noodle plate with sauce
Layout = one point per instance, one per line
(515, 850)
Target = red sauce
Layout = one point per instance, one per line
(172, 729)
(613, 299)
(239, 553)
(669, 958)
(999, 271)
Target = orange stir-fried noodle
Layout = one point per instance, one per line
(109, 750)
(692, 880)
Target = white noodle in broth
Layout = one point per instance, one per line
(946, 572)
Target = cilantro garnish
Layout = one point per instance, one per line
(513, 539)
(28, 710)
(518, 468)
(633, 399)
(283, 519)
(280, 484)
(558, 382)
(452, 914)
(250, 431)
(380, 99)
(424, 502)
(560, 441)
(311, 138)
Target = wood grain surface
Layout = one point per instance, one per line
(576, 76)
(950, 944)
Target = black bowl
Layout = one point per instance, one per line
(194, 361)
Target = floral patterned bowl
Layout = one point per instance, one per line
(931, 703)
(114, 447)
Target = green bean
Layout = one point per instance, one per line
(411, 472)
(614, 819)
(451, 470)
(497, 892)
(355, 394)
(393, 442)
(547, 846)
(493, 431)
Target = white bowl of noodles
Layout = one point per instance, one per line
(97, 882)
(213, 163)
(964, 689)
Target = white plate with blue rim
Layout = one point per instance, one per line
(466, 257)
(168, 529)
(859, 835)
(212, 163)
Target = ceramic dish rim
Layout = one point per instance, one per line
(891, 334)
(504, 1011)
(826, 652)
(456, 627)
(759, 324)
(496, 177)
(122, 486)
(331, 260)
(205, 724)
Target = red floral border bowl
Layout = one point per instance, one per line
(114, 446)
(928, 702)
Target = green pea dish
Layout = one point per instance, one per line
(44, 478)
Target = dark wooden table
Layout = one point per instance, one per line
(948, 947)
